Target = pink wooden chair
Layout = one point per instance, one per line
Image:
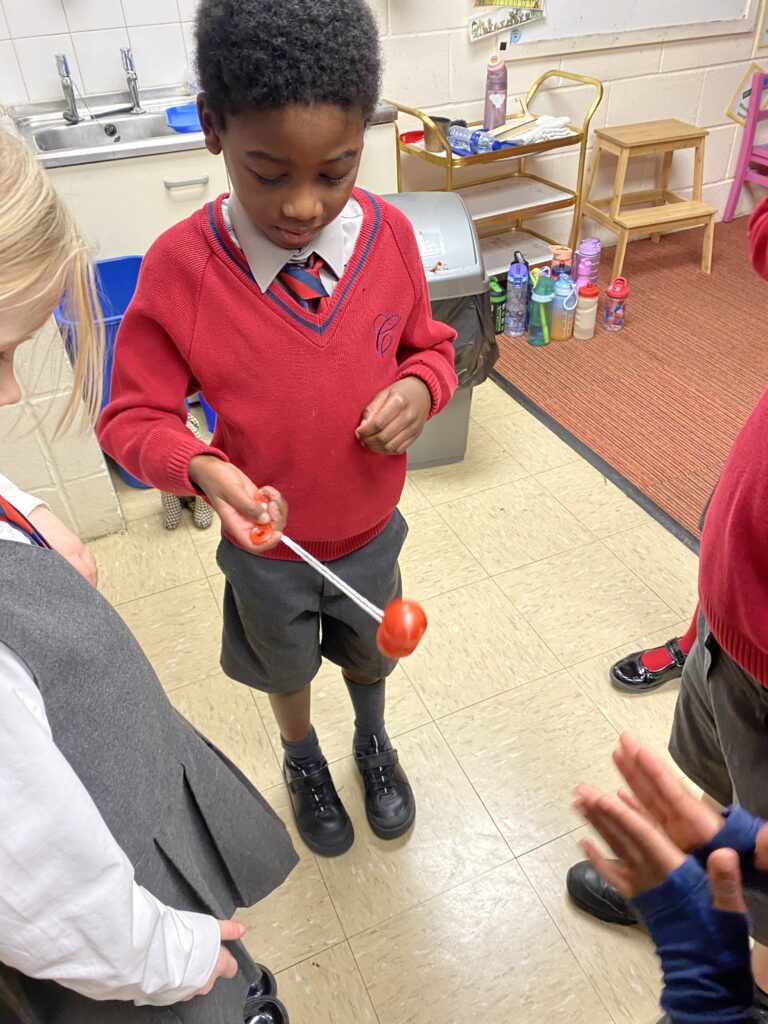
(753, 160)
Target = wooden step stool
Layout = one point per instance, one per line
(669, 211)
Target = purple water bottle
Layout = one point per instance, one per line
(516, 310)
(591, 249)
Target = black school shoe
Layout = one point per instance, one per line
(321, 819)
(595, 896)
(631, 675)
(389, 801)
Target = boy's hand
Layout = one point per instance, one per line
(646, 855)
(65, 542)
(395, 417)
(232, 496)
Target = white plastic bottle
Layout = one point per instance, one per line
(586, 312)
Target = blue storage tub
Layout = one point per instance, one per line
(116, 282)
(184, 118)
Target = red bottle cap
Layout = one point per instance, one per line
(619, 289)
(589, 290)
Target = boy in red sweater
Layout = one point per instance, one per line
(298, 305)
(720, 730)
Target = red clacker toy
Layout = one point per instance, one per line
(402, 623)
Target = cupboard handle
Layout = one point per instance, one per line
(171, 183)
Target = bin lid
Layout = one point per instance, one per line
(448, 242)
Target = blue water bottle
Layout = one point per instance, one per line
(516, 313)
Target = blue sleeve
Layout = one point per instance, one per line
(704, 952)
(739, 833)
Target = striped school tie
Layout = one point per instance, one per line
(302, 282)
(14, 518)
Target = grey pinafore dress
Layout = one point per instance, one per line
(198, 834)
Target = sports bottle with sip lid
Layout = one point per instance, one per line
(563, 308)
(586, 312)
(540, 319)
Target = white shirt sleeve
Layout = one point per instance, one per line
(70, 909)
(23, 502)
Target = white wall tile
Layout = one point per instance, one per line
(652, 98)
(188, 32)
(468, 63)
(150, 12)
(607, 65)
(27, 18)
(704, 53)
(188, 9)
(5, 32)
(12, 88)
(406, 16)
(98, 57)
(38, 65)
(717, 155)
(159, 53)
(90, 15)
(416, 69)
(719, 86)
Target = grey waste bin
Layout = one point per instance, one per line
(458, 292)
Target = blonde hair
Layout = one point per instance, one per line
(39, 245)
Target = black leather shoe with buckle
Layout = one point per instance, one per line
(389, 801)
(631, 675)
(321, 819)
(595, 896)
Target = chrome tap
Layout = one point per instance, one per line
(132, 78)
(71, 115)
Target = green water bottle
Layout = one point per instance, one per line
(498, 303)
(540, 318)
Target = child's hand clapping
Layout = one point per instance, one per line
(232, 496)
(395, 417)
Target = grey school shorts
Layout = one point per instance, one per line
(281, 618)
(720, 739)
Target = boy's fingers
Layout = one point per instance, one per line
(369, 420)
(608, 869)
(231, 930)
(761, 849)
(725, 881)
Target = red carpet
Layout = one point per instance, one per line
(658, 404)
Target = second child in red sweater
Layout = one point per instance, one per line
(298, 305)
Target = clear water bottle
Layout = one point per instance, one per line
(616, 295)
(586, 312)
(563, 308)
(467, 141)
(540, 319)
(516, 312)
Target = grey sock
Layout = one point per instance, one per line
(307, 749)
(368, 702)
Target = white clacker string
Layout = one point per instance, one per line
(351, 593)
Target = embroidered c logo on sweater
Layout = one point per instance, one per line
(384, 327)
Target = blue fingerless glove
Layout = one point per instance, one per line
(704, 952)
(739, 833)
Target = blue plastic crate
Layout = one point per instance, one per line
(184, 118)
(115, 282)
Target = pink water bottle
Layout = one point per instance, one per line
(495, 91)
(615, 304)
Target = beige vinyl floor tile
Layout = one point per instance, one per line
(485, 952)
(136, 502)
(412, 499)
(585, 601)
(525, 750)
(485, 465)
(452, 840)
(206, 542)
(179, 631)
(297, 920)
(327, 989)
(648, 716)
(593, 499)
(145, 560)
(333, 715)
(668, 567)
(434, 560)
(226, 712)
(477, 645)
(513, 525)
(489, 402)
(529, 442)
(619, 962)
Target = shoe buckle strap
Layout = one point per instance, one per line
(383, 759)
(307, 783)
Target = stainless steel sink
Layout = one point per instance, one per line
(103, 132)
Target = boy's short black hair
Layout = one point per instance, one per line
(255, 54)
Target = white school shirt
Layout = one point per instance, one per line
(70, 909)
(335, 244)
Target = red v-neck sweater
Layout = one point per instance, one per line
(733, 563)
(289, 387)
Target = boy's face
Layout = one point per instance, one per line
(293, 168)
